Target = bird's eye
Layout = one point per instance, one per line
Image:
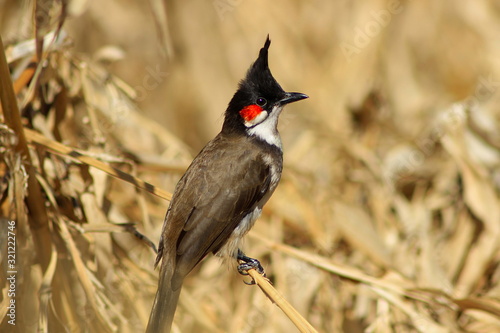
(261, 101)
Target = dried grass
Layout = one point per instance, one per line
(387, 218)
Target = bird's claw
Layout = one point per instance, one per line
(247, 263)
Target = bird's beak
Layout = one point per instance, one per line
(291, 97)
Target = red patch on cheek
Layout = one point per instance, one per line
(250, 112)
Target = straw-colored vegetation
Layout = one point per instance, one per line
(387, 218)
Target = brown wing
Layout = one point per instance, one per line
(212, 198)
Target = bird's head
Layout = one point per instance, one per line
(259, 100)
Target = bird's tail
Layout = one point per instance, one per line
(162, 313)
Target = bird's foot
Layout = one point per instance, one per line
(246, 263)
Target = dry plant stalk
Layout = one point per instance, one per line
(65, 151)
(303, 325)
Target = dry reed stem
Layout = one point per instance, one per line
(298, 320)
(11, 114)
(74, 154)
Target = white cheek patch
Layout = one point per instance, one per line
(258, 119)
(266, 129)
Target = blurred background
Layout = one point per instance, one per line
(387, 218)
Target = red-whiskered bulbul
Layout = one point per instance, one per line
(222, 193)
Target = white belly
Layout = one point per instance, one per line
(230, 249)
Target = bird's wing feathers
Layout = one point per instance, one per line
(211, 200)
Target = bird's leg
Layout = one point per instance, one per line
(246, 263)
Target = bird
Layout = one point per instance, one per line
(221, 194)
